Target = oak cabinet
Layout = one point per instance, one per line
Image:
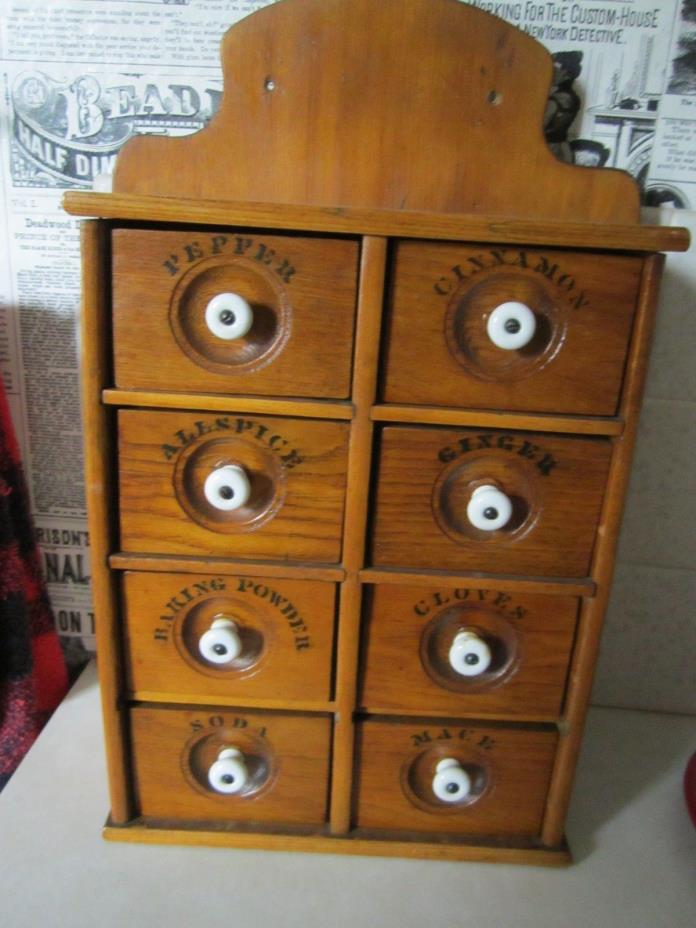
(359, 418)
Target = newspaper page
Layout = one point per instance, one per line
(673, 169)
(610, 64)
(81, 77)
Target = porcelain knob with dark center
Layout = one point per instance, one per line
(451, 782)
(229, 316)
(489, 508)
(221, 644)
(228, 774)
(511, 326)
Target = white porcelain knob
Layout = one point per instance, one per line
(221, 644)
(511, 325)
(489, 508)
(227, 487)
(451, 782)
(229, 316)
(469, 655)
(229, 773)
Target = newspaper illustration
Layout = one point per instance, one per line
(673, 181)
(610, 64)
(81, 77)
(69, 129)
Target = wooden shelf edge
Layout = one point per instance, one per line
(161, 563)
(382, 412)
(189, 699)
(360, 221)
(341, 844)
(213, 402)
(480, 418)
(477, 581)
(474, 714)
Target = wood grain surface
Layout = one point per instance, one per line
(438, 351)
(396, 764)
(492, 419)
(234, 402)
(356, 103)
(425, 480)
(174, 748)
(302, 292)
(286, 628)
(366, 359)
(476, 580)
(308, 496)
(407, 632)
(163, 563)
(406, 223)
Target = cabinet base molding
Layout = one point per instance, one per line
(360, 841)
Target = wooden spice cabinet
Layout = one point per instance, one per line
(352, 659)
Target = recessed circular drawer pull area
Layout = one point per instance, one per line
(511, 326)
(489, 508)
(470, 648)
(221, 644)
(237, 765)
(227, 487)
(233, 311)
(447, 785)
(230, 764)
(225, 637)
(452, 776)
(487, 500)
(475, 650)
(232, 485)
(229, 316)
(229, 773)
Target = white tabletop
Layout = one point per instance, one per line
(634, 846)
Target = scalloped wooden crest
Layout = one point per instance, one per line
(394, 104)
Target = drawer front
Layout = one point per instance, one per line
(273, 768)
(437, 489)
(453, 776)
(183, 474)
(565, 353)
(460, 651)
(217, 637)
(287, 329)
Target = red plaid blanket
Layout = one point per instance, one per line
(33, 677)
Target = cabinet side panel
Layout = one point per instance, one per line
(99, 481)
(593, 610)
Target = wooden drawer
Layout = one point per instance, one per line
(281, 772)
(461, 651)
(440, 352)
(508, 772)
(295, 472)
(218, 638)
(424, 508)
(301, 292)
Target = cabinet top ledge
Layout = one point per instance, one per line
(378, 222)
